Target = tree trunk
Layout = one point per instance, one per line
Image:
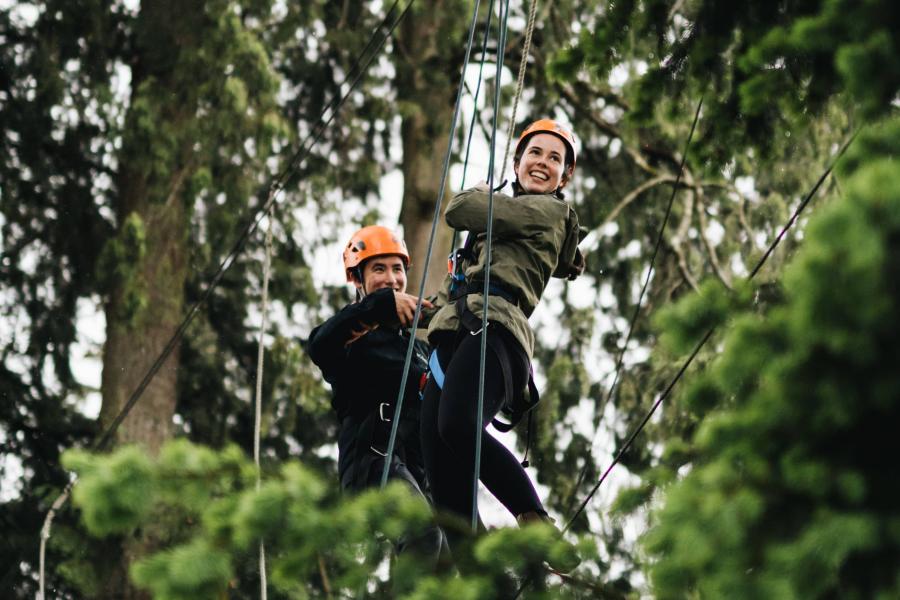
(145, 302)
(427, 76)
(136, 337)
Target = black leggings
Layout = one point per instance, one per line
(448, 431)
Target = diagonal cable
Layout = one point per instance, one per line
(620, 359)
(277, 185)
(665, 394)
(237, 248)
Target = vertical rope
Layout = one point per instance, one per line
(267, 268)
(526, 50)
(487, 31)
(462, 183)
(45, 535)
(479, 430)
(398, 405)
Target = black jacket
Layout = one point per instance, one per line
(365, 377)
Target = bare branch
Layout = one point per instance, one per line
(681, 234)
(632, 196)
(602, 124)
(676, 7)
(710, 249)
(682, 264)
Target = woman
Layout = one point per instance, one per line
(361, 351)
(535, 236)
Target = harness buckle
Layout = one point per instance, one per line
(480, 329)
(381, 413)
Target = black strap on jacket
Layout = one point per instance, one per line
(477, 287)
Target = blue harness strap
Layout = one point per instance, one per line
(437, 373)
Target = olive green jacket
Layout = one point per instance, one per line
(535, 236)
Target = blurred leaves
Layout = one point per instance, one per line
(788, 494)
(309, 531)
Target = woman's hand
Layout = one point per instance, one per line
(406, 307)
(578, 265)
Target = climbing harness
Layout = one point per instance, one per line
(517, 403)
(372, 423)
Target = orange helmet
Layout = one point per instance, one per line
(552, 127)
(370, 241)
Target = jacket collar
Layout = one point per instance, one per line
(518, 191)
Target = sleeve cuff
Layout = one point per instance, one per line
(380, 306)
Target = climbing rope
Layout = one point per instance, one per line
(278, 184)
(45, 535)
(487, 31)
(398, 405)
(488, 243)
(637, 309)
(708, 335)
(462, 183)
(520, 81)
(257, 426)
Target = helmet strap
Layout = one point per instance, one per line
(361, 288)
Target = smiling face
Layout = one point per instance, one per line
(541, 168)
(382, 272)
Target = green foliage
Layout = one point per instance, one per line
(119, 265)
(684, 324)
(764, 67)
(116, 494)
(788, 495)
(194, 570)
(631, 499)
(310, 533)
(880, 140)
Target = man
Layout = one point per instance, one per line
(362, 351)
